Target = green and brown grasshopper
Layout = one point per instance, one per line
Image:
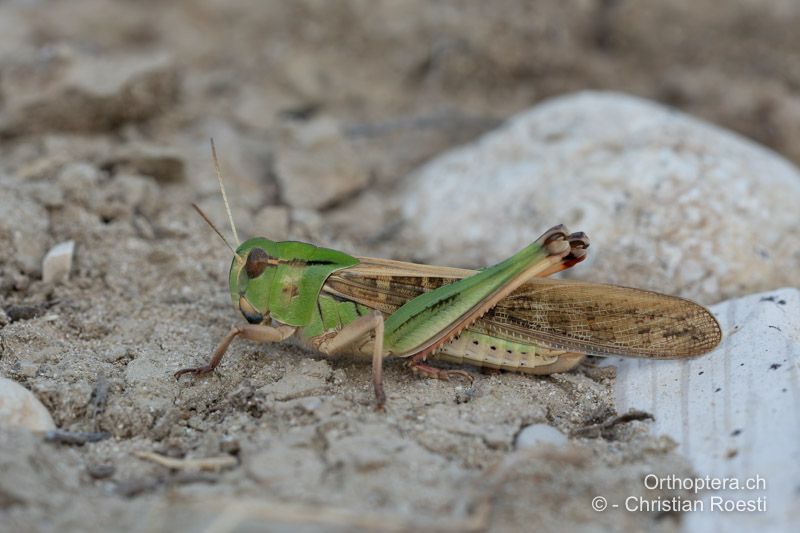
(507, 316)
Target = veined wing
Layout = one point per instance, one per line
(599, 319)
(575, 316)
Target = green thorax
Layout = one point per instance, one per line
(285, 280)
(332, 314)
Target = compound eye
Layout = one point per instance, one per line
(257, 261)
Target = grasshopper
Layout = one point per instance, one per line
(508, 316)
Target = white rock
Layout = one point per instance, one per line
(19, 407)
(90, 93)
(162, 163)
(734, 412)
(23, 229)
(316, 166)
(669, 202)
(536, 435)
(58, 262)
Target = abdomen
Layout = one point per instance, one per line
(486, 351)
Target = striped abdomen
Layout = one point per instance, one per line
(478, 349)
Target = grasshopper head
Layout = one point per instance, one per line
(282, 280)
(251, 275)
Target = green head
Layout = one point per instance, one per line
(281, 280)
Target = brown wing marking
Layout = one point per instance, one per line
(575, 316)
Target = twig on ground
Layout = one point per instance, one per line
(78, 438)
(597, 430)
(207, 463)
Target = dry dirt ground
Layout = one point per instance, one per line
(106, 112)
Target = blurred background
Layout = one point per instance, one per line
(322, 109)
(403, 80)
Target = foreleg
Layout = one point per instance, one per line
(252, 332)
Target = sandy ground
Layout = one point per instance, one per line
(104, 141)
(100, 350)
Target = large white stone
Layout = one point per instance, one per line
(669, 202)
(733, 412)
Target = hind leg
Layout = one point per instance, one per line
(421, 369)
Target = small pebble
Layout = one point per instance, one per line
(229, 444)
(537, 435)
(22, 312)
(19, 407)
(21, 282)
(29, 369)
(134, 487)
(159, 162)
(497, 439)
(115, 353)
(311, 403)
(58, 262)
(101, 471)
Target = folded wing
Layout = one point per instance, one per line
(574, 316)
(601, 319)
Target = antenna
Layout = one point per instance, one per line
(211, 224)
(224, 198)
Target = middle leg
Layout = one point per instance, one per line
(354, 331)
